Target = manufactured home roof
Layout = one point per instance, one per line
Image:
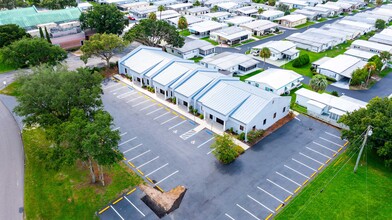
(231, 33)
(343, 65)
(271, 13)
(197, 9)
(207, 26)
(226, 60)
(189, 18)
(260, 25)
(292, 18)
(279, 46)
(360, 53)
(275, 78)
(239, 20)
(372, 45)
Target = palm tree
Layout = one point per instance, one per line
(152, 16)
(182, 23)
(265, 53)
(161, 8)
(214, 9)
(371, 67)
(385, 56)
(318, 82)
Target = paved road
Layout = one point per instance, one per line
(11, 167)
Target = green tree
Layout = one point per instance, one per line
(265, 53)
(371, 67)
(385, 56)
(10, 33)
(260, 10)
(47, 35)
(380, 24)
(224, 149)
(104, 19)
(50, 93)
(378, 114)
(161, 8)
(214, 9)
(197, 3)
(214, 19)
(358, 77)
(379, 2)
(153, 33)
(271, 2)
(152, 16)
(377, 61)
(318, 83)
(182, 23)
(283, 7)
(103, 46)
(58, 4)
(41, 33)
(32, 52)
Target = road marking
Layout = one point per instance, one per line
(140, 103)
(103, 210)
(118, 200)
(116, 212)
(154, 111)
(229, 216)
(296, 190)
(169, 120)
(135, 207)
(269, 216)
(139, 155)
(310, 158)
(288, 178)
(108, 87)
(318, 152)
(260, 203)
(303, 164)
(166, 177)
(188, 134)
(115, 129)
(331, 142)
(130, 192)
(288, 198)
(125, 95)
(248, 212)
(131, 100)
(205, 142)
(147, 162)
(321, 167)
(157, 169)
(176, 125)
(118, 89)
(160, 189)
(296, 171)
(132, 148)
(279, 186)
(297, 119)
(132, 165)
(324, 146)
(305, 182)
(127, 141)
(270, 194)
(123, 133)
(313, 174)
(210, 151)
(333, 135)
(161, 115)
(149, 106)
(280, 206)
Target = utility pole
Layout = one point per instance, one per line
(368, 133)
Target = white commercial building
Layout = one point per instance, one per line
(340, 67)
(278, 81)
(205, 28)
(230, 35)
(285, 50)
(231, 62)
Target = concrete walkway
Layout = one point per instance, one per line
(202, 123)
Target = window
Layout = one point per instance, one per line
(126, 70)
(275, 115)
(211, 117)
(284, 109)
(265, 121)
(254, 127)
(138, 79)
(185, 103)
(148, 82)
(161, 91)
(220, 121)
(241, 127)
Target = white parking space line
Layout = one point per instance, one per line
(154, 111)
(141, 103)
(161, 115)
(177, 125)
(132, 148)
(248, 212)
(303, 164)
(145, 152)
(127, 95)
(127, 141)
(260, 203)
(169, 120)
(123, 133)
(108, 87)
(124, 95)
(205, 142)
(149, 106)
(324, 147)
(157, 169)
(116, 212)
(297, 172)
(118, 89)
(311, 158)
(188, 134)
(297, 119)
(318, 152)
(279, 186)
(115, 128)
(131, 100)
(270, 194)
(288, 179)
(135, 207)
(229, 216)
(160, 181)
(147, 162)
(333, 135)
(210, 151)
(331, 142)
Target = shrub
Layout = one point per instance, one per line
(241, 136)
(174, 100)
(254, 135)
(191, 109)
(334, 93)
(195, 112)
(224, 149)
(201, 116)
(239, 149)
(301, 61)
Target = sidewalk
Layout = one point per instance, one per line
(202, 123)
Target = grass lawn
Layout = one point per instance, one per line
(305, 70)
(264, 36)
(67, 193)
(209, 40)
(338, 193)
(11, 89)
(244, 77)
(196, 59)
(185, 33)
(322, 20)
(243, 43)
(308, 23)
(385, 72)
(367, 35)
(5, 67)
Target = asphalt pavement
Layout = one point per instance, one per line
(11, 167)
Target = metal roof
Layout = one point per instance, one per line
(195, 44)
(174, 71)
(226, 60)
(275, 78)
(196, 83)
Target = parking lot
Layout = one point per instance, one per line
(169, 150)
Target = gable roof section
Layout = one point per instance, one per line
(174, 71)
(275, 78)
(196, 83)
